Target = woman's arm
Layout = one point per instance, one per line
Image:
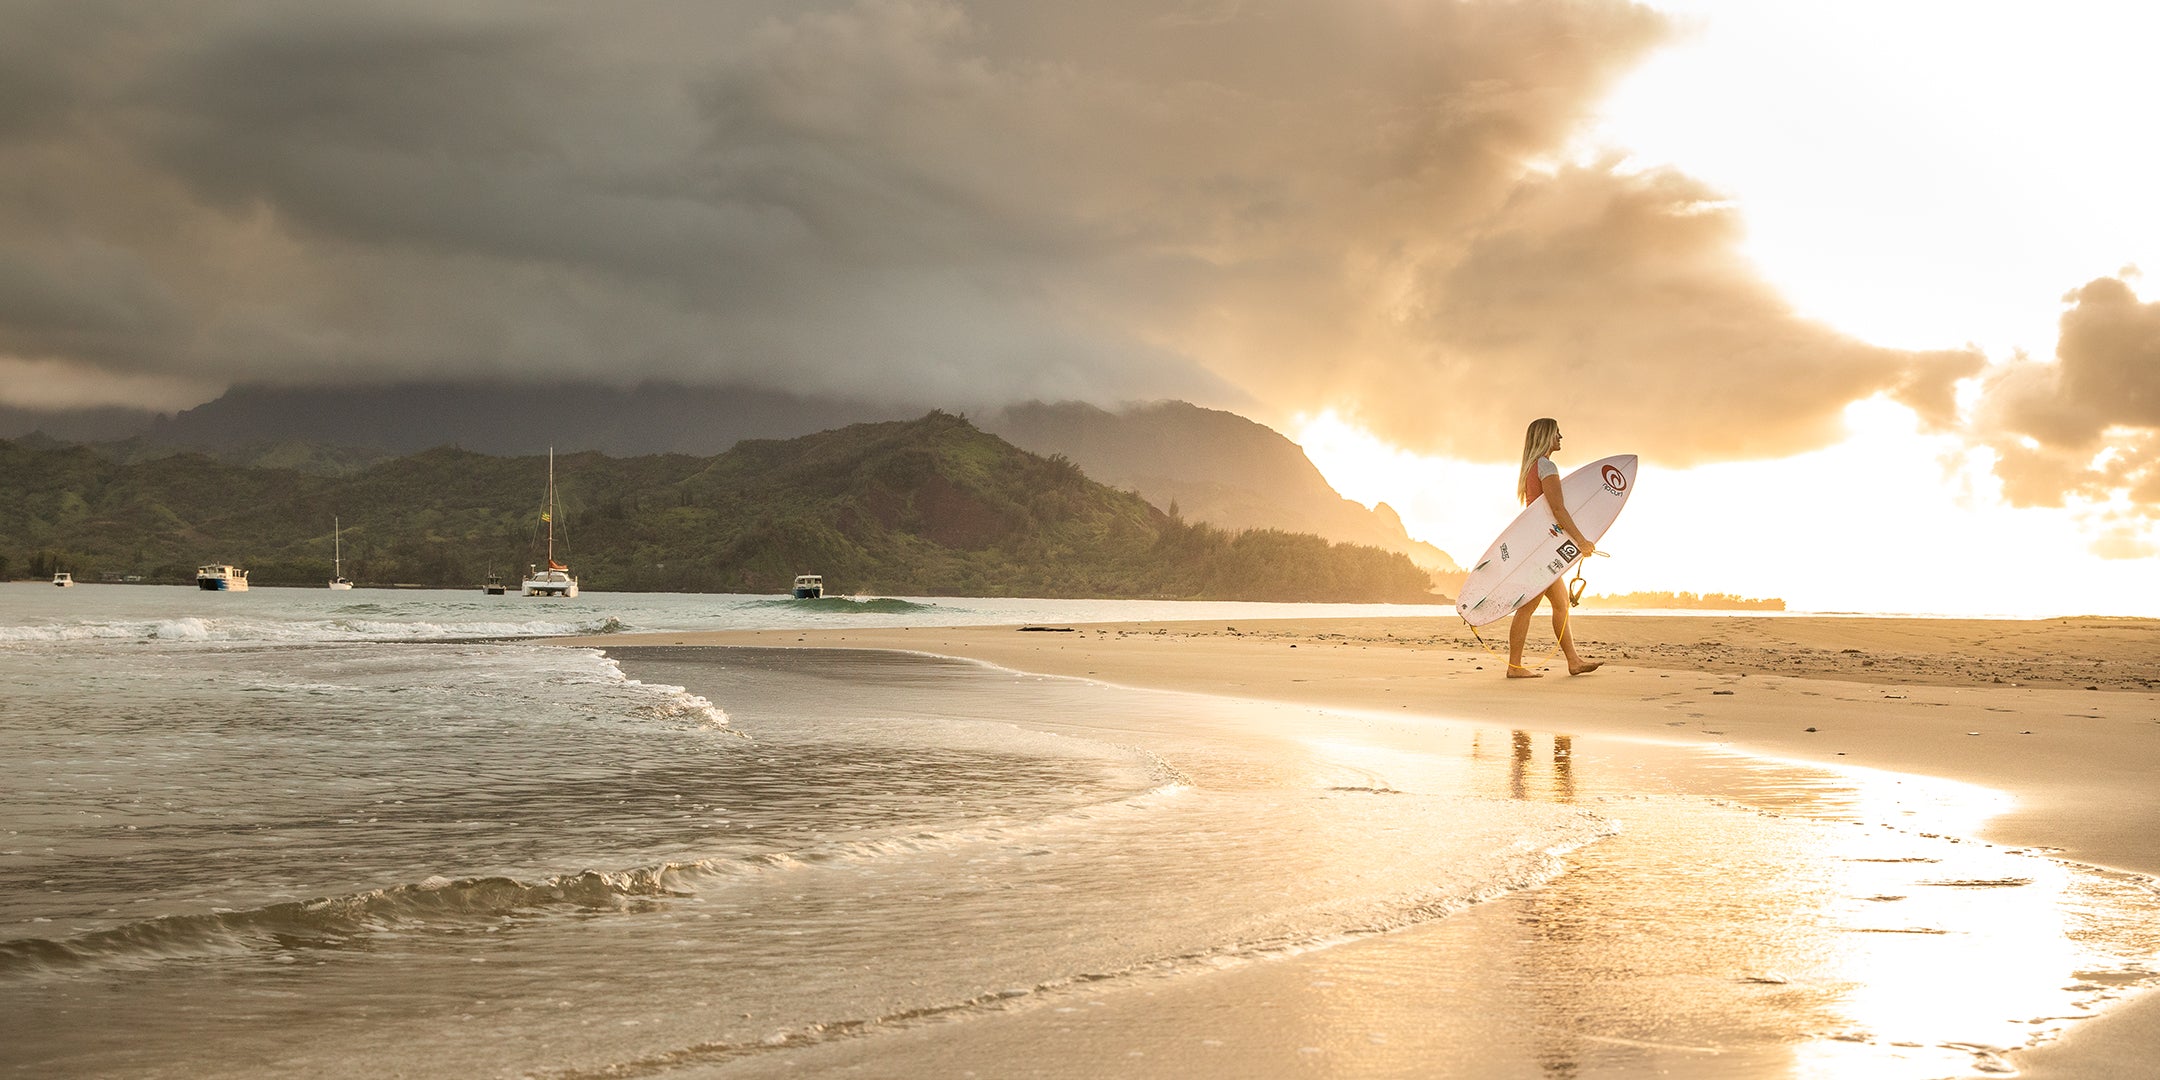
(1566, 520)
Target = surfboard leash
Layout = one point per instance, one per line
(1491, 651)
(1575, 588)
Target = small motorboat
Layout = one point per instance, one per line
(219, 577)
(65, 581)
(809, 587)
(495, 586)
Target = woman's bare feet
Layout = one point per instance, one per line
(1585, 668)
(1517, 671)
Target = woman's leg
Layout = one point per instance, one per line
(1576, 665)
(1519, 632)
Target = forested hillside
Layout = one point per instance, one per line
(929, 506)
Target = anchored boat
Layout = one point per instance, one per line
(219, 577)
(337, 556)
(556, 580)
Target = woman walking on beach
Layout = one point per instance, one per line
(1538, 479)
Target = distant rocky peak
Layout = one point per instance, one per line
(1214, 466)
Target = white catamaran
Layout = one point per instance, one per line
(337, 556)
(556, 579)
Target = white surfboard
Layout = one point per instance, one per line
(1534, 551)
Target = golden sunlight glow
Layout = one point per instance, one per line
(1919, 173)
(1890, 520)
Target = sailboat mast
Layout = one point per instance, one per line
(551, 509)
(337, 548)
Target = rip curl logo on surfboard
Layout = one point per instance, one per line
(1567, 551)
(1615, 480)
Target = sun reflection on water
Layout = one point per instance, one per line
(1786, 918)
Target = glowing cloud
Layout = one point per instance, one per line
(2084, 429)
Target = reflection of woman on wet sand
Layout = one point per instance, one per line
(1540, 479)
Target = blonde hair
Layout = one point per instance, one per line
(1536, 443)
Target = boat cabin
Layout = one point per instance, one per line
(809, 587)
(221, 577)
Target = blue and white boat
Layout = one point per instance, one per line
(218, 577)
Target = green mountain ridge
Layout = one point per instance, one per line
(932, 506)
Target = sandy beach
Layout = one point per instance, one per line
(2063, 716)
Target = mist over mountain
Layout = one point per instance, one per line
(509, 418)
(489, 417)
(1214, 466)
(102, 424)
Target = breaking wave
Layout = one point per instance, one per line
(301, 631)
(446, 904)
(847, 605)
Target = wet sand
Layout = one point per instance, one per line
(2062, 715)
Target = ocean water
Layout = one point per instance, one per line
(32, 612)
(295, 832)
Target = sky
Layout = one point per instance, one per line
(1913, 175)
(1858, 281)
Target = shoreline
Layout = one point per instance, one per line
(2075, 746)
(2078, 760)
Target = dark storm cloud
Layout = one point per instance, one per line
(1272, 205)
(92, 296)
(2088, 424)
